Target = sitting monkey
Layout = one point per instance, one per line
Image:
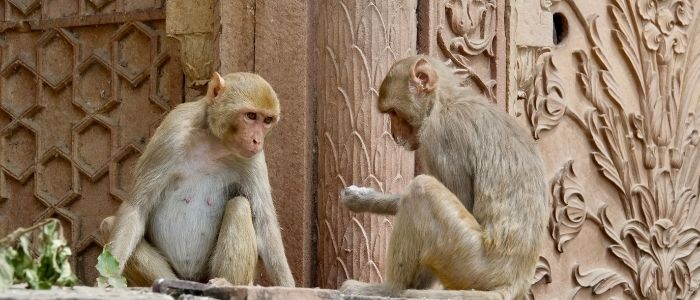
(476, 221)
(201, 206)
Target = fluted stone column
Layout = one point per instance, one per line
(357, 42)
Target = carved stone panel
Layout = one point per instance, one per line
(358, 41)
(82, 86)
(470, 36)
(614, 107)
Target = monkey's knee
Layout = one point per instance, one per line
(423, 184)
(106, 227)
(239, 207)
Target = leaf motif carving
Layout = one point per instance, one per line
(601, 280)
(542, 272)
(474, 23)
(543, 93)
(644, 142)
(570, 210)
(600, 130)
(638, 231)
(467, 33)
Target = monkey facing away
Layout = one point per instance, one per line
(476, 221)
(201, 206)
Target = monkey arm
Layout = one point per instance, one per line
(270, 246)
(360, 199)
(131, 219)
(149, 183)
(128, 231)
(267, 229)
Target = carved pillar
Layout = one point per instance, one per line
(357, 43)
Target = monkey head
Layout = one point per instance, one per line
(242, 108)
(407, 95)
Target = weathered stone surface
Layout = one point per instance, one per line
(358, 41)
(282, 58)
(614, 112)
(534, 26)
(192, 24)
(81, 293)
(233, 293)
(237, 36)
(279, 293)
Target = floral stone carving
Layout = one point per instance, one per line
(643, 140)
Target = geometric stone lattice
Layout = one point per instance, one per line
(78, 102)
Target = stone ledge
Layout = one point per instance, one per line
(233, 293)
(280, 293)
(81, 293)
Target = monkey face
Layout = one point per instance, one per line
(403, 133)
(241, 109)
(247, 136)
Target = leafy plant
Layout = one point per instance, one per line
(108, 267)
(40, 262)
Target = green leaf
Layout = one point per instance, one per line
(102, 282)
(47, 267)
(6, 270)
(108, 267)
(32, 278)
(21, 258)
(66, 277)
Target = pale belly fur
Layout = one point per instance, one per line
(185, 226)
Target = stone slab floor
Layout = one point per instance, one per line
(233, 293)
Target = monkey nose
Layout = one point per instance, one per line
(256, 142)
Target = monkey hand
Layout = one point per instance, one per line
(218, 281)
(358, 288)
(357, 198)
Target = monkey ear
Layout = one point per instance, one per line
(216, 86)
(424, 76)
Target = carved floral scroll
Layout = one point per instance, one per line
(466, 37)
(635, 102)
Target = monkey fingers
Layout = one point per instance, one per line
(362, 199)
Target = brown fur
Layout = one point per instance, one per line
(476, 221)
(201, 205)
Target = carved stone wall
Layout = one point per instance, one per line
(614, 107)
(469, 36)
(358, 40)
(612, 104)
(82, 86)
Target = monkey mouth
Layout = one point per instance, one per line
(249, 153)
(406, 144)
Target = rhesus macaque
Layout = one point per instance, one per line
(201, 206)
(476, 221)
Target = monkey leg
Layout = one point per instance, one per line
(433, 230)
(236, 251)
(145, 265)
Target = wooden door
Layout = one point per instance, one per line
(83, 83)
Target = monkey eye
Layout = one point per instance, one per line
(251, 115)
(268, 120)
